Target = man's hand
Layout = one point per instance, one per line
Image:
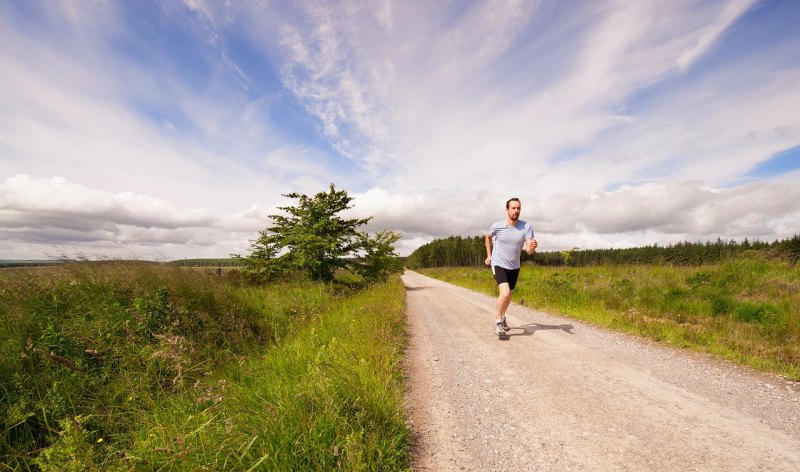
(531, 246)
(488, 261)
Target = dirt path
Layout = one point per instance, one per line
(563, 396)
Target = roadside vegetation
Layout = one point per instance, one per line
(736, 300)
(329, 398)
(287, 360)
(119, 365)
(745, 309)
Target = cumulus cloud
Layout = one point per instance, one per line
(659, 212)
(57, 216)
(617, 123)
(675, 211)
(54, 213)
(28, 201)
(438, 214)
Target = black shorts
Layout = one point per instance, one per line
(503, 275)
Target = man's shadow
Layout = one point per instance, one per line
(530, 328)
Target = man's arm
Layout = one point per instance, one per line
(488, 241)
(530, 246)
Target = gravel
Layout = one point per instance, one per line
(564, 396)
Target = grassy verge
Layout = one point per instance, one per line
(123, 366)
(329, 398)
(745, 310)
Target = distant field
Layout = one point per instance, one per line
(196, 262)
(229, 262)
(745, 310)
(25, 263)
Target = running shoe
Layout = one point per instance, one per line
(505, 325)
(498, 329)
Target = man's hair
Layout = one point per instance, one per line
(514, 199)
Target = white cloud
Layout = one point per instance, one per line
(32, 198)
(616, 123)
(249, 221)
(666, 212)
(81, 111)
(713, 31)
(682, 211)
(328, 70)
(457, 117)
(436, 213)
(56, 215)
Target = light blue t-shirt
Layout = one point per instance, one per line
(508, 241)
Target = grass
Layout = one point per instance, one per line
(120, 366)
(329, 398)
(746, 310)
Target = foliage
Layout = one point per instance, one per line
(449, 252)
(378, 259)
(313, 239)
(210, 262)
(88, 348)
(470, 252)
(745, 309)
(328, 398)
(136, 366)
(567, 255)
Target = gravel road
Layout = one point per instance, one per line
(560, 395)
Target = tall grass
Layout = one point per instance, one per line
(329, 398)
(746, 310)
(100, 361)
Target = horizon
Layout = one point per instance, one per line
(233, 256)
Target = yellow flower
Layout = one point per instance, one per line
(100, 440)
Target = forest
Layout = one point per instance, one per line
(471, 251)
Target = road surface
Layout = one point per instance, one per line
(560, 395)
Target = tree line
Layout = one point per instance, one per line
(471, 251)
(208, 262)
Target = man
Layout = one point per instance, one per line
(504, 244)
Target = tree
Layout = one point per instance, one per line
(378, 259)
(312, 238)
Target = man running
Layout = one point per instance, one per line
(504, 244)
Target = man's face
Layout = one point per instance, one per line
(514, 209)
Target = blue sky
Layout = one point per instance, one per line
(171, 128)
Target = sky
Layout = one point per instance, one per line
(168, 129)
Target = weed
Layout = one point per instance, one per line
(124, 366)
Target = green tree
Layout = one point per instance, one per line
(311, 237)
(263, 261)
(378, 258)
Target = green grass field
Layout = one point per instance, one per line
(745, 310)
(121, 366)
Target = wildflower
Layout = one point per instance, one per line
(100, 440)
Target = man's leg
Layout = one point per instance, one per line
(505, 285)
(503, 301)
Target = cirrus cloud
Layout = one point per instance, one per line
(173, 128)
